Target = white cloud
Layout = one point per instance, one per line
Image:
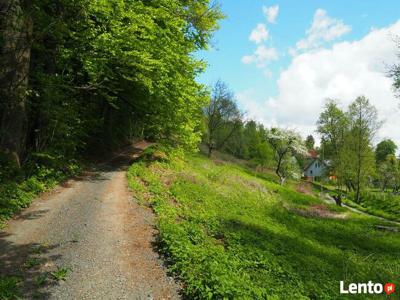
(267, 73)
(271, 13)
(344, 72)
(261, 57)
(323, 29)
(259, 34)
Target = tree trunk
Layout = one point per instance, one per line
(278, 170)
(16, 26)
(209, 150)
(338, 200)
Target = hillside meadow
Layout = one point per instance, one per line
(227, 232)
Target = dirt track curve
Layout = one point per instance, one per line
(92, 230)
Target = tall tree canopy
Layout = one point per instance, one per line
(383, 149)
(332, 125)
(357, 154)
(80, 74)
(347, 142)
(223, 117)
(310, 142)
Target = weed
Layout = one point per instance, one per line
(31, 262)
(37, 249)
(40, 280)
(61, 273)
(9, 287)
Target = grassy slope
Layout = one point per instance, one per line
(227, 233)
(374, 202)
(380, 204)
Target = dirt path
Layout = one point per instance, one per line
(92, 230)
(328, 199)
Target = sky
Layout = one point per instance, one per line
(284, 59)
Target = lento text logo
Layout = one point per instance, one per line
(367, 288)
(389, 288)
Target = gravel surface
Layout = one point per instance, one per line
(92, 233)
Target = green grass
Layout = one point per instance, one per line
(227, 233)
(9, 288)
(378, 203)
(373, 201)
(17, 192)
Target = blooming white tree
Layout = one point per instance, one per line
(286, 144)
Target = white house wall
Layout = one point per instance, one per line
(316, 169)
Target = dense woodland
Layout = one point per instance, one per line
(79, 76)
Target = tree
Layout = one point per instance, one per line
(310, 142)
(15, 55)
(388, 171)
(394, 72)
(332, 126)
(363, 124)
(81, 75)
(383, 149)
(286, 144)
(223, 117)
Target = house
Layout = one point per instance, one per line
(315, 168)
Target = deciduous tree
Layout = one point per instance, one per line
(383, 149)
(363, 124)
(286, 144)
(223, 117)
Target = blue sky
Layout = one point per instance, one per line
(343, 32)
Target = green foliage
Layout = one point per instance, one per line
(9, 288)
(249, 142)
(222, 116)
(102, 72)
(332, 125)
(228, 233)
(116, 69)
(386, 205)
(31, 262)
(18, 193)
(388, 173)
(40, 280)
(310, 142)
(347, 143)
(61, 273)
(383, 149)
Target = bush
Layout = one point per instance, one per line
(34, 178)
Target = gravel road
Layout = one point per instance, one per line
(94, 234)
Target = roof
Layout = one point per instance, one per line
(326, 163)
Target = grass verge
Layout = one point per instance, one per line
(228, 233)
(19, 187)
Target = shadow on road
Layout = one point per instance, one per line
(26, 263)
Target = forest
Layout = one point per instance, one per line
(81, 79)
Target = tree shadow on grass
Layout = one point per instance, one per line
(316, 252)
(27, 264)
